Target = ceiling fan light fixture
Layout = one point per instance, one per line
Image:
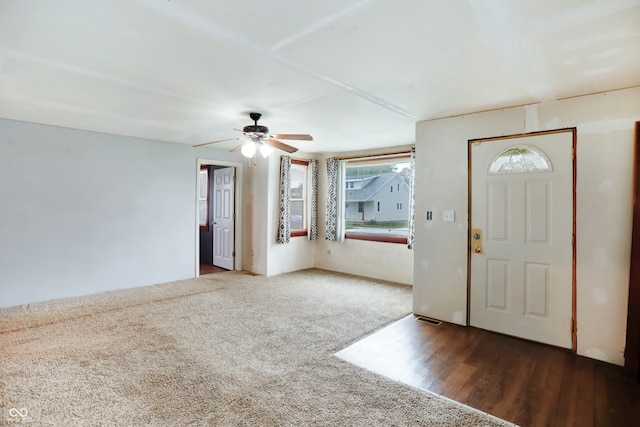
(265, 150)
(257, 137)
(248, 148)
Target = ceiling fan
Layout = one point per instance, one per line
(257, 137)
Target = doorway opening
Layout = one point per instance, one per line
(218, 211)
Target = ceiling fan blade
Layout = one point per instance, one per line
(237, 148)
(298, 136)
(214, 142)
(280, 145)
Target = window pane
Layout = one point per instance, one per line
(203, 212)
(375, 196)
(297, 184)
(203, 200)
(520, 160)
(297, 214)
(204, 183)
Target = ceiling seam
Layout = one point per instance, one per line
(193, 20)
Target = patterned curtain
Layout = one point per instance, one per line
(335, 199)
(284, 223)
(313, 200)
(412, 199)
(332, 198)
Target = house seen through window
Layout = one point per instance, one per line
(376, 191)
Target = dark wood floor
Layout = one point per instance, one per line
(210, 269)
(522, 382)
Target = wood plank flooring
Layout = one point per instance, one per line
(210, 269)
(526, 383)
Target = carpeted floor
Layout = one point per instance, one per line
(228, 349)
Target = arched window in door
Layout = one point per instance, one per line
(520, 160)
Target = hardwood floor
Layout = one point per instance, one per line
(523, 382)
(210, 269)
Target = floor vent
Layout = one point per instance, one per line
(433, 322)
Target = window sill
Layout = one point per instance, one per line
(298, 233)
(377, 238)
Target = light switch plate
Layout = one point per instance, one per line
(449, 216)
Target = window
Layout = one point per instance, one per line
(369, 207)
(203, 198)
(520, 160)
(298, 195)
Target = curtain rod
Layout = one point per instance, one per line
(368, 156)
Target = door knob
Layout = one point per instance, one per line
(476, 236)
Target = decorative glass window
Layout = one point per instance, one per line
(520, 160)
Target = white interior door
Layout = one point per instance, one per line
(522, 237)
(223, 217)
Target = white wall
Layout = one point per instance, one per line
(84, 212)
(604, 160)
(299, 253)
(268, 257)
(257, 191)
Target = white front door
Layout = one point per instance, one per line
(521, 280)
(223, 217)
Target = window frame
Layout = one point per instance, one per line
(302, 165)
(396, 158)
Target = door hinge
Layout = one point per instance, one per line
(233, 254)
(573, 326)
(573, 154)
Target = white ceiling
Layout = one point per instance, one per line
(353, 73)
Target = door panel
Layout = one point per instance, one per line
(536, 286)
(521, 280)
(223, 218)
(498, 285)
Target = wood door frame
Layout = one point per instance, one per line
(237, 263)
(632, 345)
(470, 142)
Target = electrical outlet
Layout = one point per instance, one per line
(328, 251)
(252, 253)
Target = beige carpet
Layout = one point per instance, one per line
(228, 349)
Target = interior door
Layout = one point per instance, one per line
(521, 276)
(224, 218)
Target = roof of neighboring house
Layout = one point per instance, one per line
(375, 182)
